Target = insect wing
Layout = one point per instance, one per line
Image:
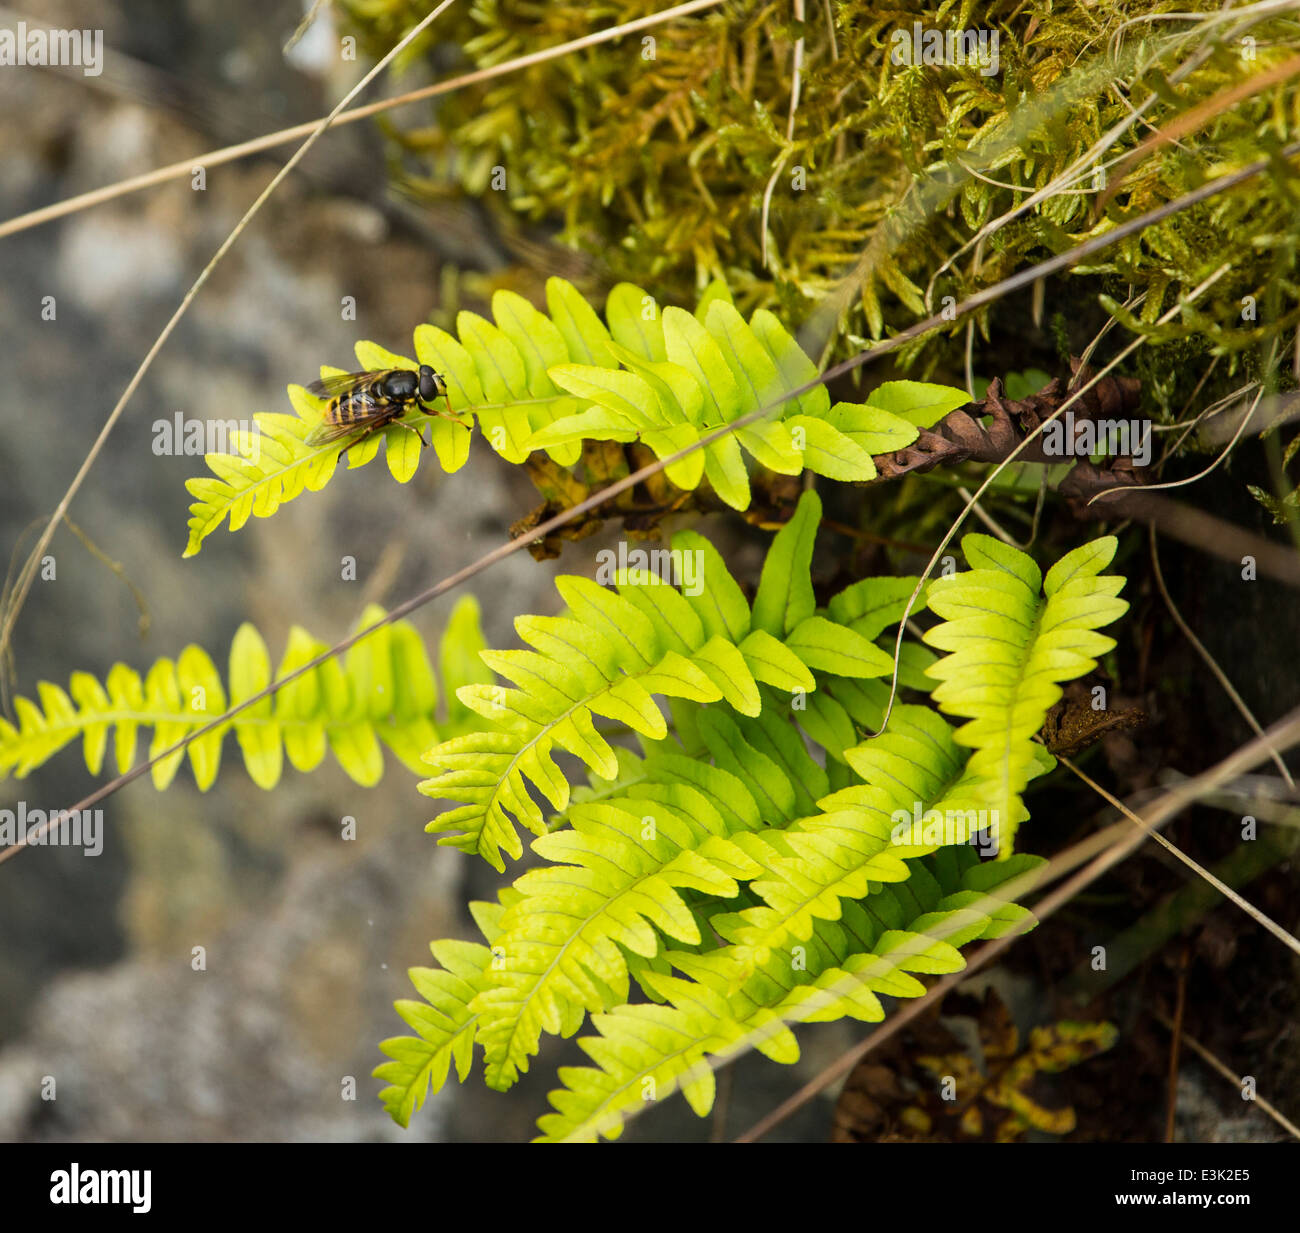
(344, 383)
(331, 430)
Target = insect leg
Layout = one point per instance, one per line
(362, 437)
(419, 436)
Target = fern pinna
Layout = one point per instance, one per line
(763, 861)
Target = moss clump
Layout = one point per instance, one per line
(655, 152)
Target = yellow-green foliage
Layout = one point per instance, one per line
(611, 655)
(742, 881)
(1013, 635)
(655, 151)
(385, 690)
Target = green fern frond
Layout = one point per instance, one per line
(613, 890)
(552, 962)
(767, 756)
(1014, 636)
(268, 468)
(684, 375)
(496, 375)
(619, 885)
(384, 692)
(836, 854)
(536, 382)
(738, 881)
(609, 657)
(444, 1020)
(644, 1052)
(662, 827)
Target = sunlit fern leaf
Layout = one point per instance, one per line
(495, 372)
(262, 471)
(739, 882)
(688, 783)
(1013, 636)
(915, 796)
(647, 1051)
(871, 606)
(635, 850)
(685, 374)
(384, 693)
(918, 402)
(785, 593)
(500, 373)
(622, 882)
(731, 748)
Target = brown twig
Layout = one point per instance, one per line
(1236, 1080)
(1113, 492)
(960, 436)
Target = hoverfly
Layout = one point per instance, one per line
(373, 400)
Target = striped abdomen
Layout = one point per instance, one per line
(358, 405)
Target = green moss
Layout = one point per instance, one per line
(655, 158)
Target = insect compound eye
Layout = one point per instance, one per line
(430, 383)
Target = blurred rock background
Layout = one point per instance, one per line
(307, 937)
